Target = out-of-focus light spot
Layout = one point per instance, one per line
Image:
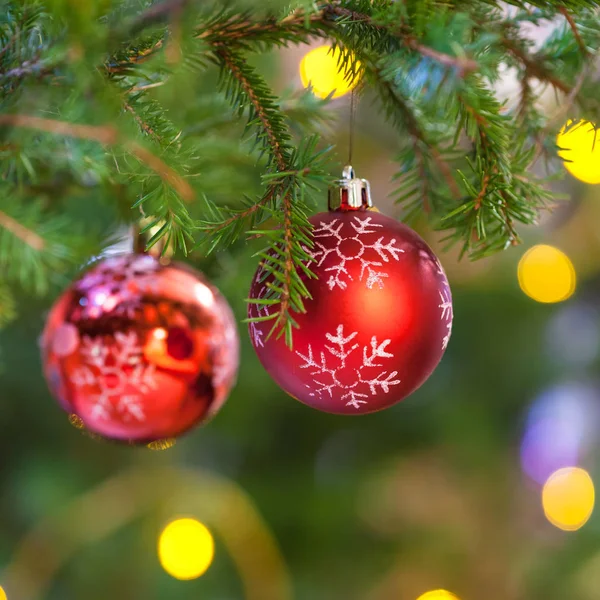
(581, 151)
(321, 68)
(162, 444)
(573, 335)
(160, 333)
(186, 549)
(568, 498)
(204, 295)
(546, 274)
(560, 429)
(3, 594)
(438, 595)
(99, 298)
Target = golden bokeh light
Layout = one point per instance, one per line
(163, 444)
(2, 594)
(581, 151)
(546, 274)
(186, 549)
(568, 498)
(438, 595)
(320, 68)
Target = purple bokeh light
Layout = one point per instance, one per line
(560, 429)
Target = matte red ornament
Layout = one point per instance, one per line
(139, 350)
(379, 319)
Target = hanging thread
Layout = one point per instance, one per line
(352, 120)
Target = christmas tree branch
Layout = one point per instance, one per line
(286, 186)
(108, 136)
(535, 66)
(39, 239)
(464, 154)
(264, 109)
(564, 11)
(300, 26)
(29, 237)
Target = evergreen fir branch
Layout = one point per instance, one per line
(144, 126)
(29, 237)
(565, 12)
(245, 84)
(298, 27)
(156, 14)
(228, 27)
(106, 135)
(535, 67)
(285, 186)
(28, 68)
(425, 158)
(41, 241)
(226, 225)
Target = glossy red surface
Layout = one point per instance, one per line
(378, 323)
(140, 351)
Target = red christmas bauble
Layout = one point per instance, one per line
(139, 350)
(378, 322)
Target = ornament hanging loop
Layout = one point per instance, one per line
(350, 193)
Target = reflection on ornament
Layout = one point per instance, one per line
(134, 355)
(580, 150)
(546, 274)
(378, 322)
(438, 595)
(568, 498)
(186, 549)
(321, 68)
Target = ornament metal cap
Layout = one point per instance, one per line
(350, 193)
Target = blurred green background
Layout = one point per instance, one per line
(431, 494)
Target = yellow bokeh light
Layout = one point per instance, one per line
(568, 498)
(2, 594)
(582, 151)
(438, 595)
(320, 68)
(546, 274)
(163, 444)
(186, 549)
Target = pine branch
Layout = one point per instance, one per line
(299, 27)
(535, 66)
(285, 186)
(107, 136)
(264, 109)
(145, 127)
(29, 237)
(34, 244)
(564, 11)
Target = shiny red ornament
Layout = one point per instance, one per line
(139, 350)
(378, 322)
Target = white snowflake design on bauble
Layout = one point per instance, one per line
(333, 362)
(106, 366)
(372, 271)
(256, 333)
(447, 314)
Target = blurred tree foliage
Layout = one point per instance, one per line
(101, 99)
(112, 109)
